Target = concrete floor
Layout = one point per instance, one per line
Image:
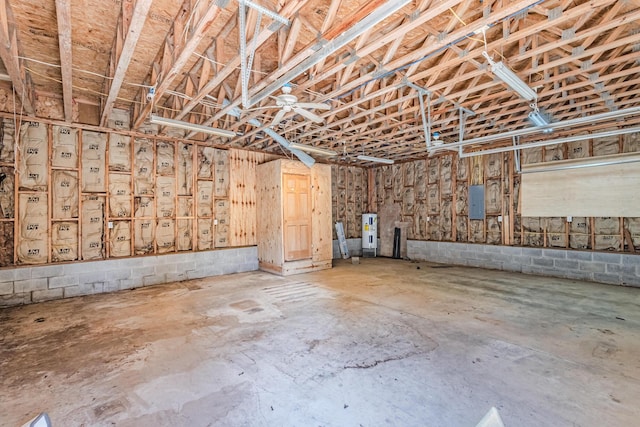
(386, 342)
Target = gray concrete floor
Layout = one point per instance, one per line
(386, 342)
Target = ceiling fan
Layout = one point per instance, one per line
(287, 103)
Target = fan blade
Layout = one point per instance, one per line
(268, 107)
(313, 105)
(309, 115)
(278, 117)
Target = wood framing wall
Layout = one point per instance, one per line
(349, 198)
(432, 196)
(71, 194)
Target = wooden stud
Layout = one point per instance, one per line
(63, 14)
(49, 192)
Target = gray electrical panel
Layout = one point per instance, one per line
(476, 202)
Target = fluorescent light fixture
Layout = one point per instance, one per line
(375, 159)
(312, 149)
(157, 120)
(540, 119)
(513, 81)
(503, 72)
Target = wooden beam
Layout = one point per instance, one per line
(63, 14)
(193, 21)
(232, 64)
(326, 24)
(9, 53)
(129, 29)
(430, 72)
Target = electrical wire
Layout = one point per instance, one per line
(222, 64)
(80, 71)
(80, 88)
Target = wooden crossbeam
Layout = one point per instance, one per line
(130, 24)
(288, 10)
(63, 15)
(9, 53)
(193, 21)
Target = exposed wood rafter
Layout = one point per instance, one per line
(63, 14)
(10, 54)
(129, 29)
(187, 32)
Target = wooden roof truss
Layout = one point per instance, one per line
(580, 57)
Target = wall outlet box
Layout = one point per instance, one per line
(499, 218)
(428, 218)
(110, 224)
(215, 222)
(569, 218)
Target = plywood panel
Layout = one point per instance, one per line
(321, 227)
(592, 191)
(242, 198)
(269, 220)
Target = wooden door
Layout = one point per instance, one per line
(297, 217)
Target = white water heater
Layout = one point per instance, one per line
(369, 234)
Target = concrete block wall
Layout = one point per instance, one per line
(604, 267)
(354, 245)
(28, 284)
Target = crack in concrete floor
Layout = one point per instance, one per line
(421, 347)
